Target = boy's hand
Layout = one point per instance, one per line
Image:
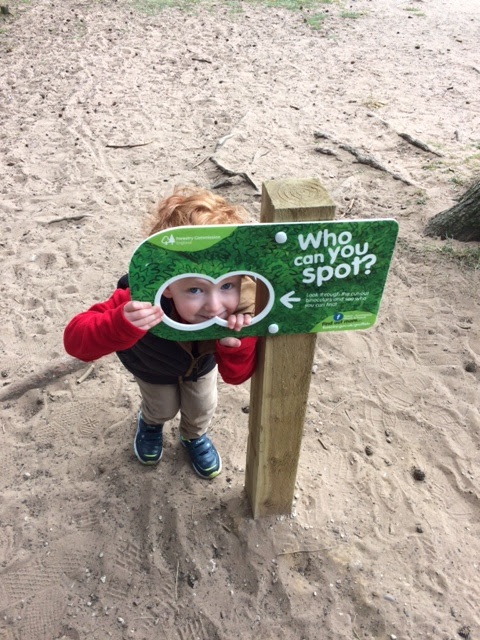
(142, 315)
(235, 323)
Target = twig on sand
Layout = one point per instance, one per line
(74, 218)
(56, 369)
(421, 145)
(371, 114)
(86, 374)
(200, 162)
(223, 139)
(128, 146)
(176, 581)
(323, 444)
(231, 173)
(289, 553)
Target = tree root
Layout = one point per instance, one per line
(56, 369)
(421, 145)
(371, 162)
(361, 158)
(460, 222)
(229, 172)
(406, 136)
(325, 151)
(74, 218)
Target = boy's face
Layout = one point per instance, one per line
(198, 300)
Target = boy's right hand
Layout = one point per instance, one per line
(142, 315)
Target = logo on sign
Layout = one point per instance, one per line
(168, 240)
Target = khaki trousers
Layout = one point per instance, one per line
(196, 402)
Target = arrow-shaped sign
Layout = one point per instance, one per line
(287, 299)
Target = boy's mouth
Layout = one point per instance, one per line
(222, 315)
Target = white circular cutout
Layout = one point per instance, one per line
(281, 237)
(219, 321)
(273, 328)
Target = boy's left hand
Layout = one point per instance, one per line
(235, 323)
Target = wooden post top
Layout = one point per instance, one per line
(296, 201)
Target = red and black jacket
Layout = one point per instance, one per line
(103, 329)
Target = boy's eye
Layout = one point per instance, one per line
(194, 290)
(227, 286)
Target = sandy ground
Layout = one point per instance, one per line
(93, 545)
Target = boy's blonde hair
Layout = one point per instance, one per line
(194, 206)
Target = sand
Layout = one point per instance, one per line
(92, 544)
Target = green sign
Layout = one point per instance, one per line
(315, 276)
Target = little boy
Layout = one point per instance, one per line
(175, 376)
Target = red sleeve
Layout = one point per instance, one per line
(101, 330)
(237, 364)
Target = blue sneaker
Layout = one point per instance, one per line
(203, 455)
(148, 442)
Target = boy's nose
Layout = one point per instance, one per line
(213, 304)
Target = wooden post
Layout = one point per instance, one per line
(280, 385)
